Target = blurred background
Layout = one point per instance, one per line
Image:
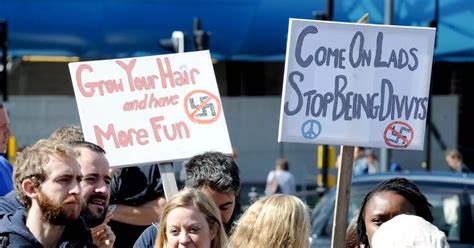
(247, 41)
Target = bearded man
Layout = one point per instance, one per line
(47, 181)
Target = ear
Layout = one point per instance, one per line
(28, 187)
(213, 231)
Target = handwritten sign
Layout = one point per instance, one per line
(353, 84)
(151, 109)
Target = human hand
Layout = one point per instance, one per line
(103, 236)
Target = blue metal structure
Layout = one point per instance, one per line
(244, 30)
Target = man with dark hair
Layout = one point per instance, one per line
(95, 191)
(135, 191)
(215, 174)
(6, 182)
(47, 180)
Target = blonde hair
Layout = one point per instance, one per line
(30, 164)
(194, 198)
(273, 221)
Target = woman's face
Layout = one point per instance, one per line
(187, 227)
(382, 207)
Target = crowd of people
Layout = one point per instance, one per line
(64, 193)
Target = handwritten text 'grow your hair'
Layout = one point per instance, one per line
(153, 86)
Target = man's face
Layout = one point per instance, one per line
(95, 185)
(4, 130)
(59, 196)
(225, 202)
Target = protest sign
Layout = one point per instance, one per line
(151, 109)
(356, 84)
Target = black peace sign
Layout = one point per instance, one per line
(311, 129)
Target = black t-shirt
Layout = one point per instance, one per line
(133, 186)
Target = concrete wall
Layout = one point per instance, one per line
(253, 128)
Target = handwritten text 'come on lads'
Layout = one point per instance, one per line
(166, 78)
(347, 104)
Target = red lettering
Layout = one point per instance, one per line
(183, 78)
(162, 101)
(107, 135)
(142, 137)
(128, 69)
(150, 101)
(122, 138)
(137, 83)
(83, 91)
(193, 72)
(165, 75)
(177, 130)
(156, 127)
(88, 89)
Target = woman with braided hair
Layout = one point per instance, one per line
(386, 200)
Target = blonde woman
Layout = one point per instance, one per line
(190, 219)
(273, 221)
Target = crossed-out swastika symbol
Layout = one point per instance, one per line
(398, 134)
(204, 108)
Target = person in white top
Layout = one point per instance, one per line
(280, 180)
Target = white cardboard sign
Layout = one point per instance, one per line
(356, 84)
(151, 109)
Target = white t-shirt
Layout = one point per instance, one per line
(285, 179)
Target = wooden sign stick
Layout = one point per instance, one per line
(343, 190)
(168, 180)
(343, 193)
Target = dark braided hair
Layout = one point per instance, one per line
(400, 186)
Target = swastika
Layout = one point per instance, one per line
(204, 108)
(398, 134)
(402, 131)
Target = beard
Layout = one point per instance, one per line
(58, 213)
(92, 218)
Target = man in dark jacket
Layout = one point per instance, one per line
(47, 180)
(14, 233)
(9, 203)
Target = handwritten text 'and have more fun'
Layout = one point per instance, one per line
(165, 78)
(348, 104)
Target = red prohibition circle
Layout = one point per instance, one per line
(407, 140)
(192, 113)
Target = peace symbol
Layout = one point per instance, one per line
(311, 129)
